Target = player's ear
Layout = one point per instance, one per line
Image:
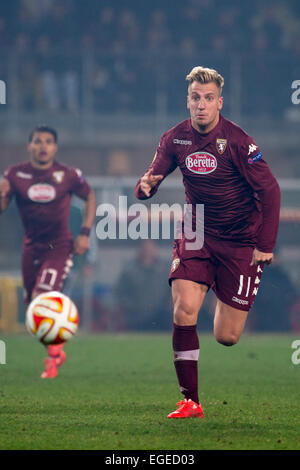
(220, 103)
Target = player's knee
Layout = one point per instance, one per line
(229, 339)
(184, 313)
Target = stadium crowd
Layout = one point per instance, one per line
(124, 52)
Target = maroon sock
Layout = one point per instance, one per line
(186, 352)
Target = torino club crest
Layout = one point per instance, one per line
(58, 176)
(221, 145)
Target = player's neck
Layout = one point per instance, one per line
(205, 129)
(41, 166)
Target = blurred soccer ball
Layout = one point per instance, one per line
(52, 318)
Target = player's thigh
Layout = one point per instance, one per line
(54, 270)
(237, 282)
(187, 298)
(236, 287)
(229, 323)
(190, 275)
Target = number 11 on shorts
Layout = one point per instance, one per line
(48, 279)
(245, 282)
(239, 292)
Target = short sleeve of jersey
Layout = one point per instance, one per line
(79, 185)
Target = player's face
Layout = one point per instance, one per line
(42, 150)
(204, 102)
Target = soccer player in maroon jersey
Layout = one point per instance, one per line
(43, 189)
(223, 169)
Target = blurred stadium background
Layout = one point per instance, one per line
(110, 77)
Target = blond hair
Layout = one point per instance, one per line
(205, 75)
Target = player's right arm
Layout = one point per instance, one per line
(149, 181)
(5, 194)
(164, 163)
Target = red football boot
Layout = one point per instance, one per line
(51, 368)
(187, 409)
(52, 363)
(61, 359)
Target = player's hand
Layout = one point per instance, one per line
(149, 181)
(4, 187)
(81, 244)
(4, 194)
(260, 257)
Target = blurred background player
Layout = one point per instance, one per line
(43, 189)
(223, 168)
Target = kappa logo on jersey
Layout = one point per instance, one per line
(201, 163)
(221, 145)
(255, 158)
(182, 142)
(79, 174)
(252, 148)
(58, 176)
(175, 264)
(20, 174)
(41, 192)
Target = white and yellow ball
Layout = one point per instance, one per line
(52, 318)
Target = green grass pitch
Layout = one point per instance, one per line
(115, 391)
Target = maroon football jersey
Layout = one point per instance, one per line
(43, 198)
(224, 170)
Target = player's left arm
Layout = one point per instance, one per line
(82, 242)
(258, 174)
(82, 189)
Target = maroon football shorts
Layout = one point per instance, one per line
(221, 265)
(45, 266)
